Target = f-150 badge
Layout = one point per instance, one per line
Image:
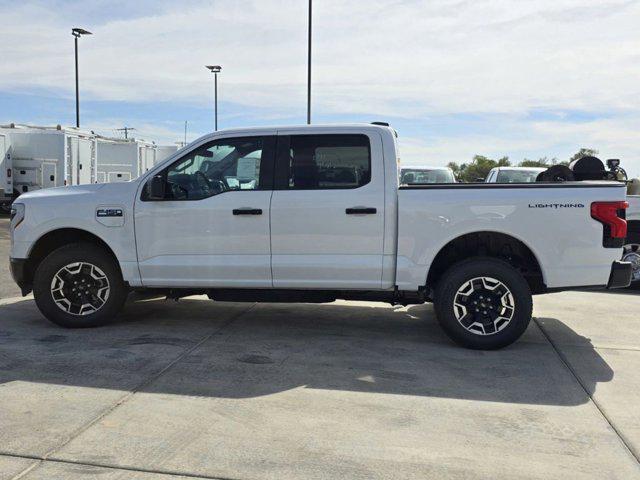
(109, 212)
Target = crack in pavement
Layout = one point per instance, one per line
(40, 460)
(565, 361)
(124, 399)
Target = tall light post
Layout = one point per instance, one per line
(215, 69)
(309, 69)
(77, 33)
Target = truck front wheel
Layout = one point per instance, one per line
(79, 286)
(483, 303)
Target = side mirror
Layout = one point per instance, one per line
(157, 188)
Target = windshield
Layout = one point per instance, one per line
(408, 176)
(517, 176)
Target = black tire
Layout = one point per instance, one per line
(483, 332)
(90, 256)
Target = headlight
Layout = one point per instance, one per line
(17, 214)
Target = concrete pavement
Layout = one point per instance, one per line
(345, 390)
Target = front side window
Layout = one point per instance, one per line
(328, 161)
(221, 166)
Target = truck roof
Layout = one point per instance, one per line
(422, 167)
(306, 128)
(541, 169)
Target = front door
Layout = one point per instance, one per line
(327, 211)
(212, 227)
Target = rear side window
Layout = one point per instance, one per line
(328, 162)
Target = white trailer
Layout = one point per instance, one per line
(121, 160)
(165, 151)
(117, 160)
(49, 157)
(146, 156)
(6, 172)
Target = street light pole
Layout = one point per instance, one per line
(215, 99)
(75, 41)
(215, 69)
(309, 69)
(77, 33)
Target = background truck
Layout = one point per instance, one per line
(632, 244)
(513, 174)
(45, 157)
(424, 174)
(273, 214)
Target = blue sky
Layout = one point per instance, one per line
(454, 77)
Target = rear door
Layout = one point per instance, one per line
(85, 160)
(327, 211)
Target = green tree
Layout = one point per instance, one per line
(543, 162)
(478, 168)
(584, 152)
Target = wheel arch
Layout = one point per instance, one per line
(54, 239)
(489, 243)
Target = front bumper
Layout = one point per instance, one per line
(19, 274)
(620, 276)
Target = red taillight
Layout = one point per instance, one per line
(611, 215)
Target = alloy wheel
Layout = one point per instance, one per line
(80, 288)
(484, 305)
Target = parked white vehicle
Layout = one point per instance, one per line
(311, 214)
(415, 174)
(632, 246)
(6, 173)
(46, 157)
(165, 151)
(121, 160)
(513, 174)
(146, 156)
(117, 160)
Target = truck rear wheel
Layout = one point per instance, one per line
(483, 303)
(631, 253)
(78, 286)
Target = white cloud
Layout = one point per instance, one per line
(405, 58)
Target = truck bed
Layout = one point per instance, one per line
(553, 220)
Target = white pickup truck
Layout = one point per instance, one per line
(632, 244)
(312, 214)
